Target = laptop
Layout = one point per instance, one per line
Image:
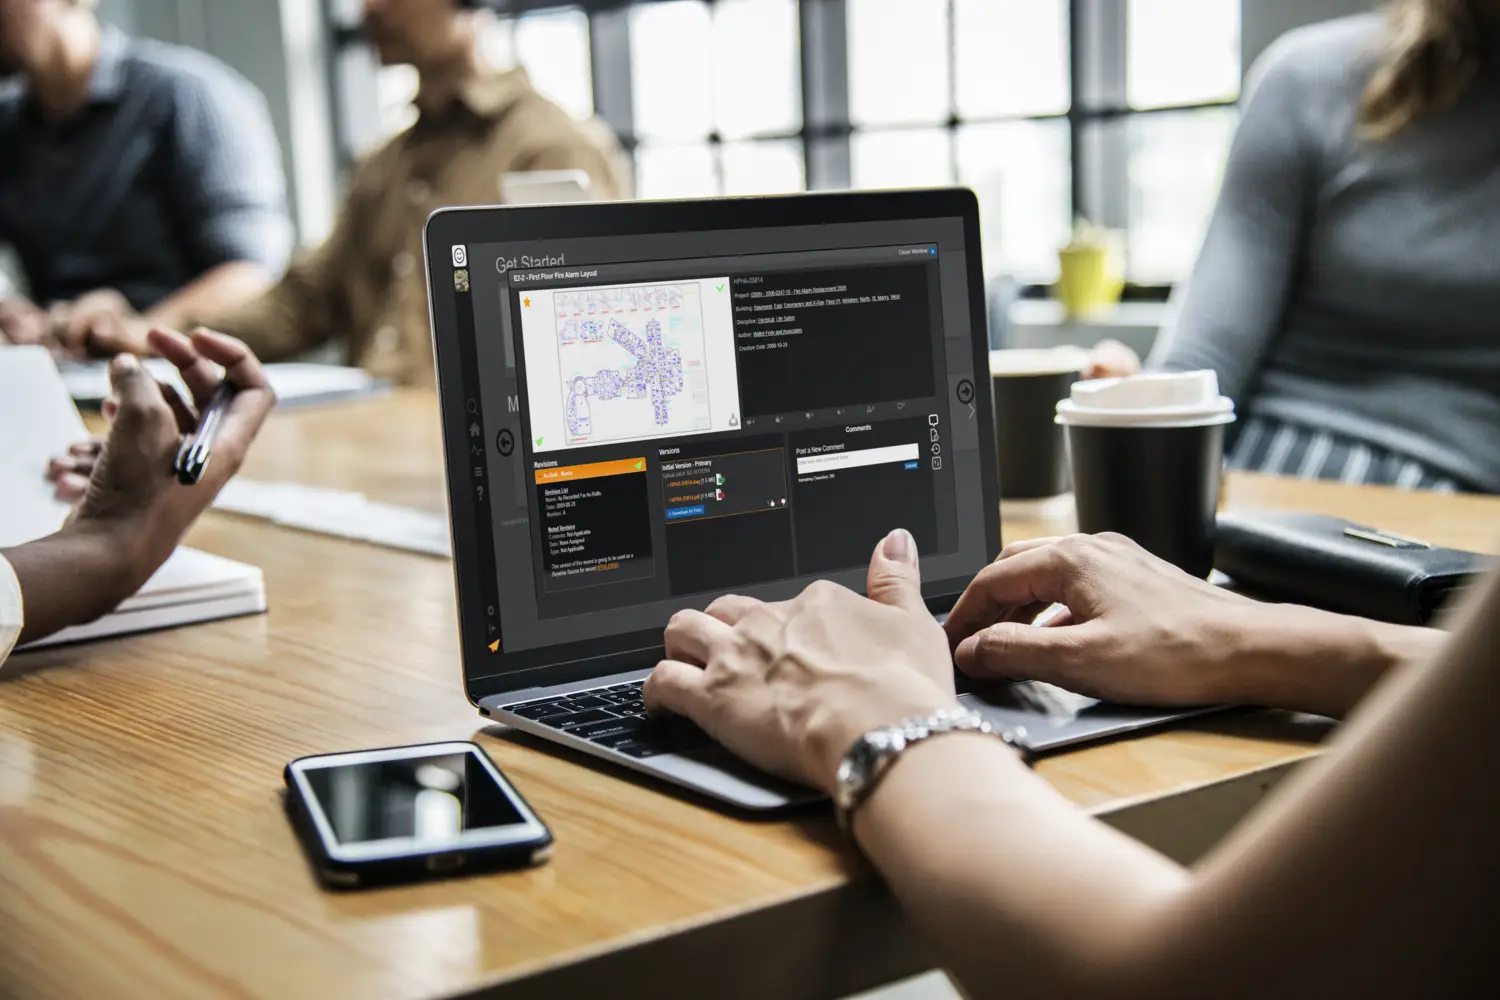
(646, 405)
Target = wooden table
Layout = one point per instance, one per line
(143, 851)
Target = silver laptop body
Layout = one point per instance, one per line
(646, 405)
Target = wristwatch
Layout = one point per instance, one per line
(872, 754)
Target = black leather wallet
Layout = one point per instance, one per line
(1327, 562)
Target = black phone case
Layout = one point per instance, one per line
(339, 875)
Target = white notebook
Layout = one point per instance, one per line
(37, 421)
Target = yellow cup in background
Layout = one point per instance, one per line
(1091, 272)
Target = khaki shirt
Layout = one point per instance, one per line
(366, 284)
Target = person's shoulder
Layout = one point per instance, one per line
(378, 160)
(189, 72)
(1322, 53)
(1311, 77)
(538, 128)
(371, 172)
(543, 121)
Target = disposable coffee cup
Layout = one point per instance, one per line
(1147, 454)
(1029, 446)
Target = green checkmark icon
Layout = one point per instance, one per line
(721, 288)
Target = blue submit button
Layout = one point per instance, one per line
(676, 513)
(910, 465)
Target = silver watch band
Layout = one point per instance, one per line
(872, 755)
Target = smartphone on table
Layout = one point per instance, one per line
(404, 814)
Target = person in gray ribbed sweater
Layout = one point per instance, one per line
(1348, 290)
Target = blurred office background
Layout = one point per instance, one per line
(1116, 110)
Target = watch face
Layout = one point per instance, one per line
(857, 766)
(846, 769)
(870, 749)
(852, 779)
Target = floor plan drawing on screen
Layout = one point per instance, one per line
(631, 361)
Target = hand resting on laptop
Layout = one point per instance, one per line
(791, 686)
(1139, 631)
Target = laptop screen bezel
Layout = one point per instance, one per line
(445, 228)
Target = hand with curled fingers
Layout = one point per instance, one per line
(99, 324)
(1137, 629)
(21, 322)
(790, 686)
(1112, 359)
(133, 512)
(69, 474)
(131, 489)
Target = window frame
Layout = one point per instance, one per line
(1097, 44)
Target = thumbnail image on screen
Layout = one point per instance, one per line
(614, 363)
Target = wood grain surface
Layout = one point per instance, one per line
(143, 850)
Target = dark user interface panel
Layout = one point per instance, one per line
(697, 426)
(651, 420)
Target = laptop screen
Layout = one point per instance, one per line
(654, 419)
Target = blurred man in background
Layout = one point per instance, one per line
(366, 284)
(140, 183)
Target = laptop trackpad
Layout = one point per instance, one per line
(1042, 716)
(720, 772)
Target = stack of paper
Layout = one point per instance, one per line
(295, 384)
(191, 587)
(38, 421)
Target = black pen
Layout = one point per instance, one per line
(197, 449)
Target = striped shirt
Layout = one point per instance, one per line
(170, 169)
(1282, 449)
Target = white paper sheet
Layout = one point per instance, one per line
(37, 422)
(338, 513)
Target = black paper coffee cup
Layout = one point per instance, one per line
(1147, 457)
(1029, 444)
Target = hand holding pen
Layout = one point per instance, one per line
(197, 448)
(134, 510)
(133, 482)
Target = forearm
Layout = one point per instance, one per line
(216, 291)
(308, 304)
(70, 578)
(1022, 893)
(1307, 660)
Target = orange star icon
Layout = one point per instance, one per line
(526, 303)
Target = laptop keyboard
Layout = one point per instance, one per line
(614, 717)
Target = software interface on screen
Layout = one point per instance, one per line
(660, 419)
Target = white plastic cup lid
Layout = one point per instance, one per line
(1018, 362)
(1158, 399)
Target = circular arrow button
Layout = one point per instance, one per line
(506, 442)
(965, 391)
